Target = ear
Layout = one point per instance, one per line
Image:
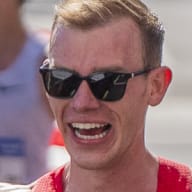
(159, 80)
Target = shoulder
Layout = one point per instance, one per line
(174, 176)
(51, 182)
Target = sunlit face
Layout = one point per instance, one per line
(98, 134)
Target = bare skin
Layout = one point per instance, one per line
(118, 161)
(12, 33)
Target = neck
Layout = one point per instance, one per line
(135, 174)
(12, 39)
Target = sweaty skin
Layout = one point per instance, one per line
(114, 47)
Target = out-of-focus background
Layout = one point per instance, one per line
(169, 126)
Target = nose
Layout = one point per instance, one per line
(84, 100)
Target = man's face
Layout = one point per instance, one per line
(97, 133)
(8, 11)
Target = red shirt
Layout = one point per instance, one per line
(172, 177)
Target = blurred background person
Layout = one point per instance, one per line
(25, 119)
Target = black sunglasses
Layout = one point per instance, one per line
(107, 86)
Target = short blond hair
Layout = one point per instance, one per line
(87, 14)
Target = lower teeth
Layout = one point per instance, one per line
(90, 137)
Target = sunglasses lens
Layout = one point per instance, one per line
(60, 83)
(108, 86)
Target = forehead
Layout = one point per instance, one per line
(115, 44)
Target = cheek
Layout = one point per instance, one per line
(53, 103)
(57, 106)
(133, 105)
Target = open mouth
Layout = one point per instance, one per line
(90, 131)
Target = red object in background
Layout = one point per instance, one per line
(168, 75)
(56, 138)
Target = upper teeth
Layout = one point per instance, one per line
(87, 125)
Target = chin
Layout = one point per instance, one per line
(93, 161)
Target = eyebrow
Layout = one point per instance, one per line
(55, 65)
(112, 68)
